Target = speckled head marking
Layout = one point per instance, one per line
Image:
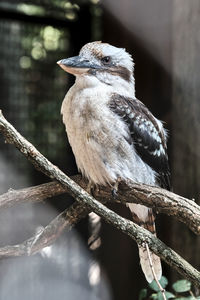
(95, 48)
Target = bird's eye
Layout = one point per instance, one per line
(106, 60)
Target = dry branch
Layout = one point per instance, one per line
(31, 194)
(65, 220)
(163, 201)
(139, 234)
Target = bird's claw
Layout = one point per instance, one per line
(115, 188)
(114, 193)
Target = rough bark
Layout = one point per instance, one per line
(70, 216)
(140, 235)
(163, 201)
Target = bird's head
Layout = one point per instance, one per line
(106, 63)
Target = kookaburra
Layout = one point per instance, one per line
(112, 134)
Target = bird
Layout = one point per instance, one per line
(113, 135)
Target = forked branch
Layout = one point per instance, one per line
(137, 233)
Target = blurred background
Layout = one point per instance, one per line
(164, 38)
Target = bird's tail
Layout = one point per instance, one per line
(144, 217)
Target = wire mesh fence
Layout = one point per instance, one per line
(34, 36)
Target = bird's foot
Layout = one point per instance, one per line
(115, 187)
(90, 188)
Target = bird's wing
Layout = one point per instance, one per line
(146, 134)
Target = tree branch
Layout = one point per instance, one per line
(163, 201)
(31, 194)
(137, 233)
(46, 236)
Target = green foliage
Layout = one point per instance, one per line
(182, 290)
(159, 296)
(143, 294)
(163, 281)
(182, 286)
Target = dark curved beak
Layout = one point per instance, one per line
(76, 65)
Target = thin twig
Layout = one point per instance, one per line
(154, 273)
